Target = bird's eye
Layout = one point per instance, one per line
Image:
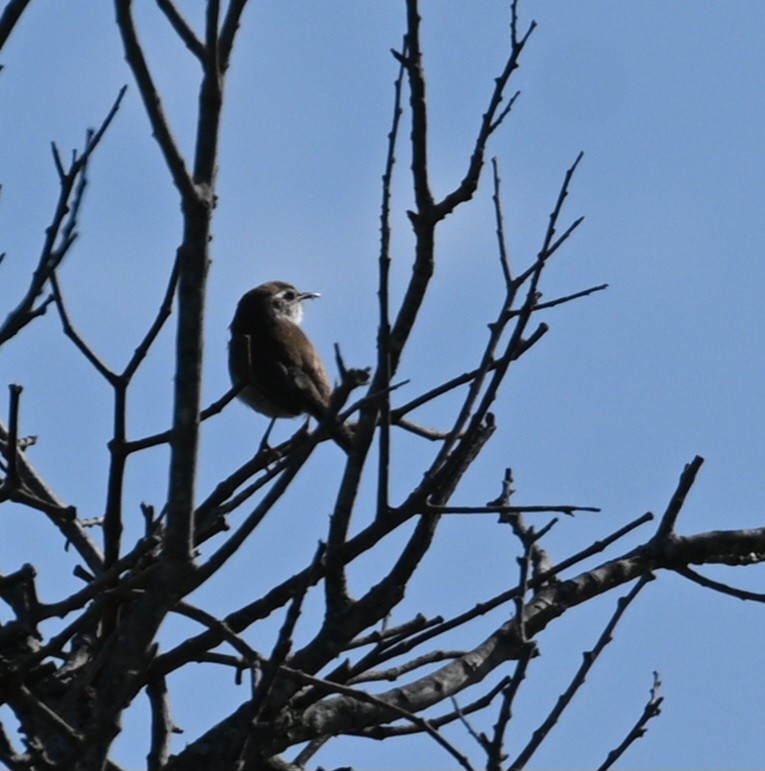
(289, 295)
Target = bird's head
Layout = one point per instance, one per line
(275, 300)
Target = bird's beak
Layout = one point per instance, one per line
(308, 295)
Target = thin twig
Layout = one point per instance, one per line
(667, 522)
(182, 29)
(283, 643)
(228, 32)
(98, 587)
(496, 754)
(152, 102)
(467, 377)
(479, 738)
(565, 299)
(69, 330)
(235, 501)
(163, 313)
(412, 60)
(44, 712)
(220, 499)
(504, 259)
(395, 672)
(230, 546)
(392, 709)
(383, 732)
(652, 709)
(60, 234)
(533, 555)
(165, 436)
(432, 434)
(577, 681)
(490, 121)
(11, 481)
(10, 17)
(37, 494)
(248, 654)
(499, 509)
(708, 583)
(548, 247)
(310, 750)
(470, 416)
(555, 214)
(482, 608)
(383, 336)
(400, 631)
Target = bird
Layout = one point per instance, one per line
(280, 372)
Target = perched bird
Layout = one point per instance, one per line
(282, 374)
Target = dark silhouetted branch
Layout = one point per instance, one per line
(182, 29)
(61, 233)
(590, 658)
(652, 709)
(10, 17)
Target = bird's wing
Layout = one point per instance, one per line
(286, 367)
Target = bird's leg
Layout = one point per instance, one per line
(264, 446)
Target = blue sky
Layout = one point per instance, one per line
(665, 99)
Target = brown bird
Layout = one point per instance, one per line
(282, 374)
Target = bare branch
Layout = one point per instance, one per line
(40, 496)
(391, 710)
(652, 709)
(248, 654)
(161, 724)
(590, 658)
(490, 121)
(224, 552)
(395, 672)
(44, 712)
(165, 436)
(383, 732)
(667, 523)
(60, 234)
(182, 28)
(499, 509)
(283, 643)
(494, 747)
(717, 586)
(383, 334)
(504, 260)
(228, 32)
(10, 17)
(496, 753)
(412, 60)
(163, 313)
(398, 413)
(482, 608)
(152, 102)
(566, 298)
(432, 434)
(470, 416)
(73, 335)
(400, 631)
(11, 481)
(547, 248)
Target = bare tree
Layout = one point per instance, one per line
(69, 688)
